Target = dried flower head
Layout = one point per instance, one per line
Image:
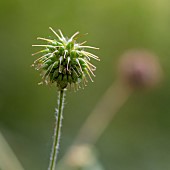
(140, 69)
(64, 61)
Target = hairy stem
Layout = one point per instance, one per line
(57, 131)
(113, 99)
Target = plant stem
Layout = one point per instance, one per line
(113, 99)
(8, 159)
(57, 131)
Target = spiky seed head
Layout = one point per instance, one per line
(64, 61)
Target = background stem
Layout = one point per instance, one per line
(8, 159)
(57, 130)
(112, 100)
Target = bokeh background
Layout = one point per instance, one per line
(138, 138)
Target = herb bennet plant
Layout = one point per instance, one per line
(65, 63)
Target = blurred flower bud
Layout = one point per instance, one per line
(140, 69)
(83, 157)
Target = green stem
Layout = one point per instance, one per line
(57, 131)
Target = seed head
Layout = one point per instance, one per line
(64, 61)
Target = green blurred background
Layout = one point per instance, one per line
(139, 136)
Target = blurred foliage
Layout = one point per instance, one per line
(138, 137)
(8, 158)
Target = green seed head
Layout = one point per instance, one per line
(64, 61)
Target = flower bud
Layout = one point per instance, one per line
(139, 69)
